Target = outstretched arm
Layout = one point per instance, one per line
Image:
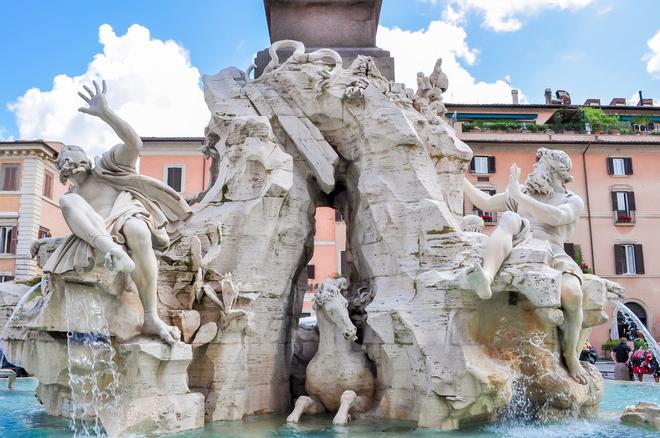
(550, 214)
(126, 153)
(483, 200)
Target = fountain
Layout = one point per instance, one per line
(648, 337)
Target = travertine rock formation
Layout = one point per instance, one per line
(644, 414)
(310, 133)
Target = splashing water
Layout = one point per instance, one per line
(650, 340)
(29, 294)
(93, 376)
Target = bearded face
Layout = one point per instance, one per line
(541, 180)
(72, 163)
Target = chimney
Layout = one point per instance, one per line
(514, 96)
(548, 96)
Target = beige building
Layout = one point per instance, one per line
(29, 203)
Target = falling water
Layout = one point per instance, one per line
(650, 340)
(93, 376)
(26, 297)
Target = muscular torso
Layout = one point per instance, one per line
(99, 195)
(555, 234)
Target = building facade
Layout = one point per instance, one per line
(616, 176)
(29, 204)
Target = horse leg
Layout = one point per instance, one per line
(305, 405)
(350, 401)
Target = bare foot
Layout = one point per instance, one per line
(302, 403)
(576, 370)
(117, 260)
(153, 325)
(478, 279)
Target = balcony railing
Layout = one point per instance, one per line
(624, 217)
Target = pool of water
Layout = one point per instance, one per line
(21, 415)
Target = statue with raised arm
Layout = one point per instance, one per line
(114, 211)
(544, 208)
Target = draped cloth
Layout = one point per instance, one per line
(141, 197)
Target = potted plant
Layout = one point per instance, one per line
(597, 118)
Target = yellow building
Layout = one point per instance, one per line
(29, 203)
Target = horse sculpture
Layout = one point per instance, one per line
(338, 378)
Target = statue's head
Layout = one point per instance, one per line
(329, 300)
(72, 160)
(552, 168)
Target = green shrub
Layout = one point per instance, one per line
(597, 118)
(610, 344)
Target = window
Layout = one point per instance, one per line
(9, 176)
(8, 240)
(311, 271)
(6, 277)
(48, 185)
(619, 166)
(488, 217)
(343, 263)
(623, 205)
(338, 216)
(43, 233)
(628, 259)
(174, 177)
(482, 164)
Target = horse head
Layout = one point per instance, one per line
(329, 300)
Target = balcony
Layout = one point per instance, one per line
(486, 216)
(624, 217)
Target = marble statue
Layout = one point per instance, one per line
(428, 98)
(428, 328)
(546, 209)
(10, 375)
(112, 209)
(338, 377)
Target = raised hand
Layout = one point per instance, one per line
(98, 105)
(513, 189)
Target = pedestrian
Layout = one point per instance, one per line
(621, 356)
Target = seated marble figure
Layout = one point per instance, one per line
(546, 209)
(112, 209)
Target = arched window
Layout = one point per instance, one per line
(622, 319)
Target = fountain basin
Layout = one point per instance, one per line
(24, 416)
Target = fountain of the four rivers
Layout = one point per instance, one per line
(155, 317)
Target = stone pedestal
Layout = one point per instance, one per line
(348, 27)
(154, 396)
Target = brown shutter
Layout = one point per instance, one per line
(639, 259)
(14, 240)
(631, 200)
(491, 164)
(615, 205)
(569, 248)
(619, 259)
(610, 166)
(627, 163)
(472, 165)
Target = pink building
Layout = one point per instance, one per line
(176, 161)
(616, 175)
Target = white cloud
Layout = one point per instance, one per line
(151, 84)
(506, 15)
(652, 58)
(417, 52)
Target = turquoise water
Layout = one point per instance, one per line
(21, 415)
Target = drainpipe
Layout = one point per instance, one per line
(586, 187)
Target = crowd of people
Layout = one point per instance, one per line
(632, 358)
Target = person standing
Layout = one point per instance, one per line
(621, 357)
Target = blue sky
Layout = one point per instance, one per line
(593, 48)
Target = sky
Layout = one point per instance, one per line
(153, 52)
